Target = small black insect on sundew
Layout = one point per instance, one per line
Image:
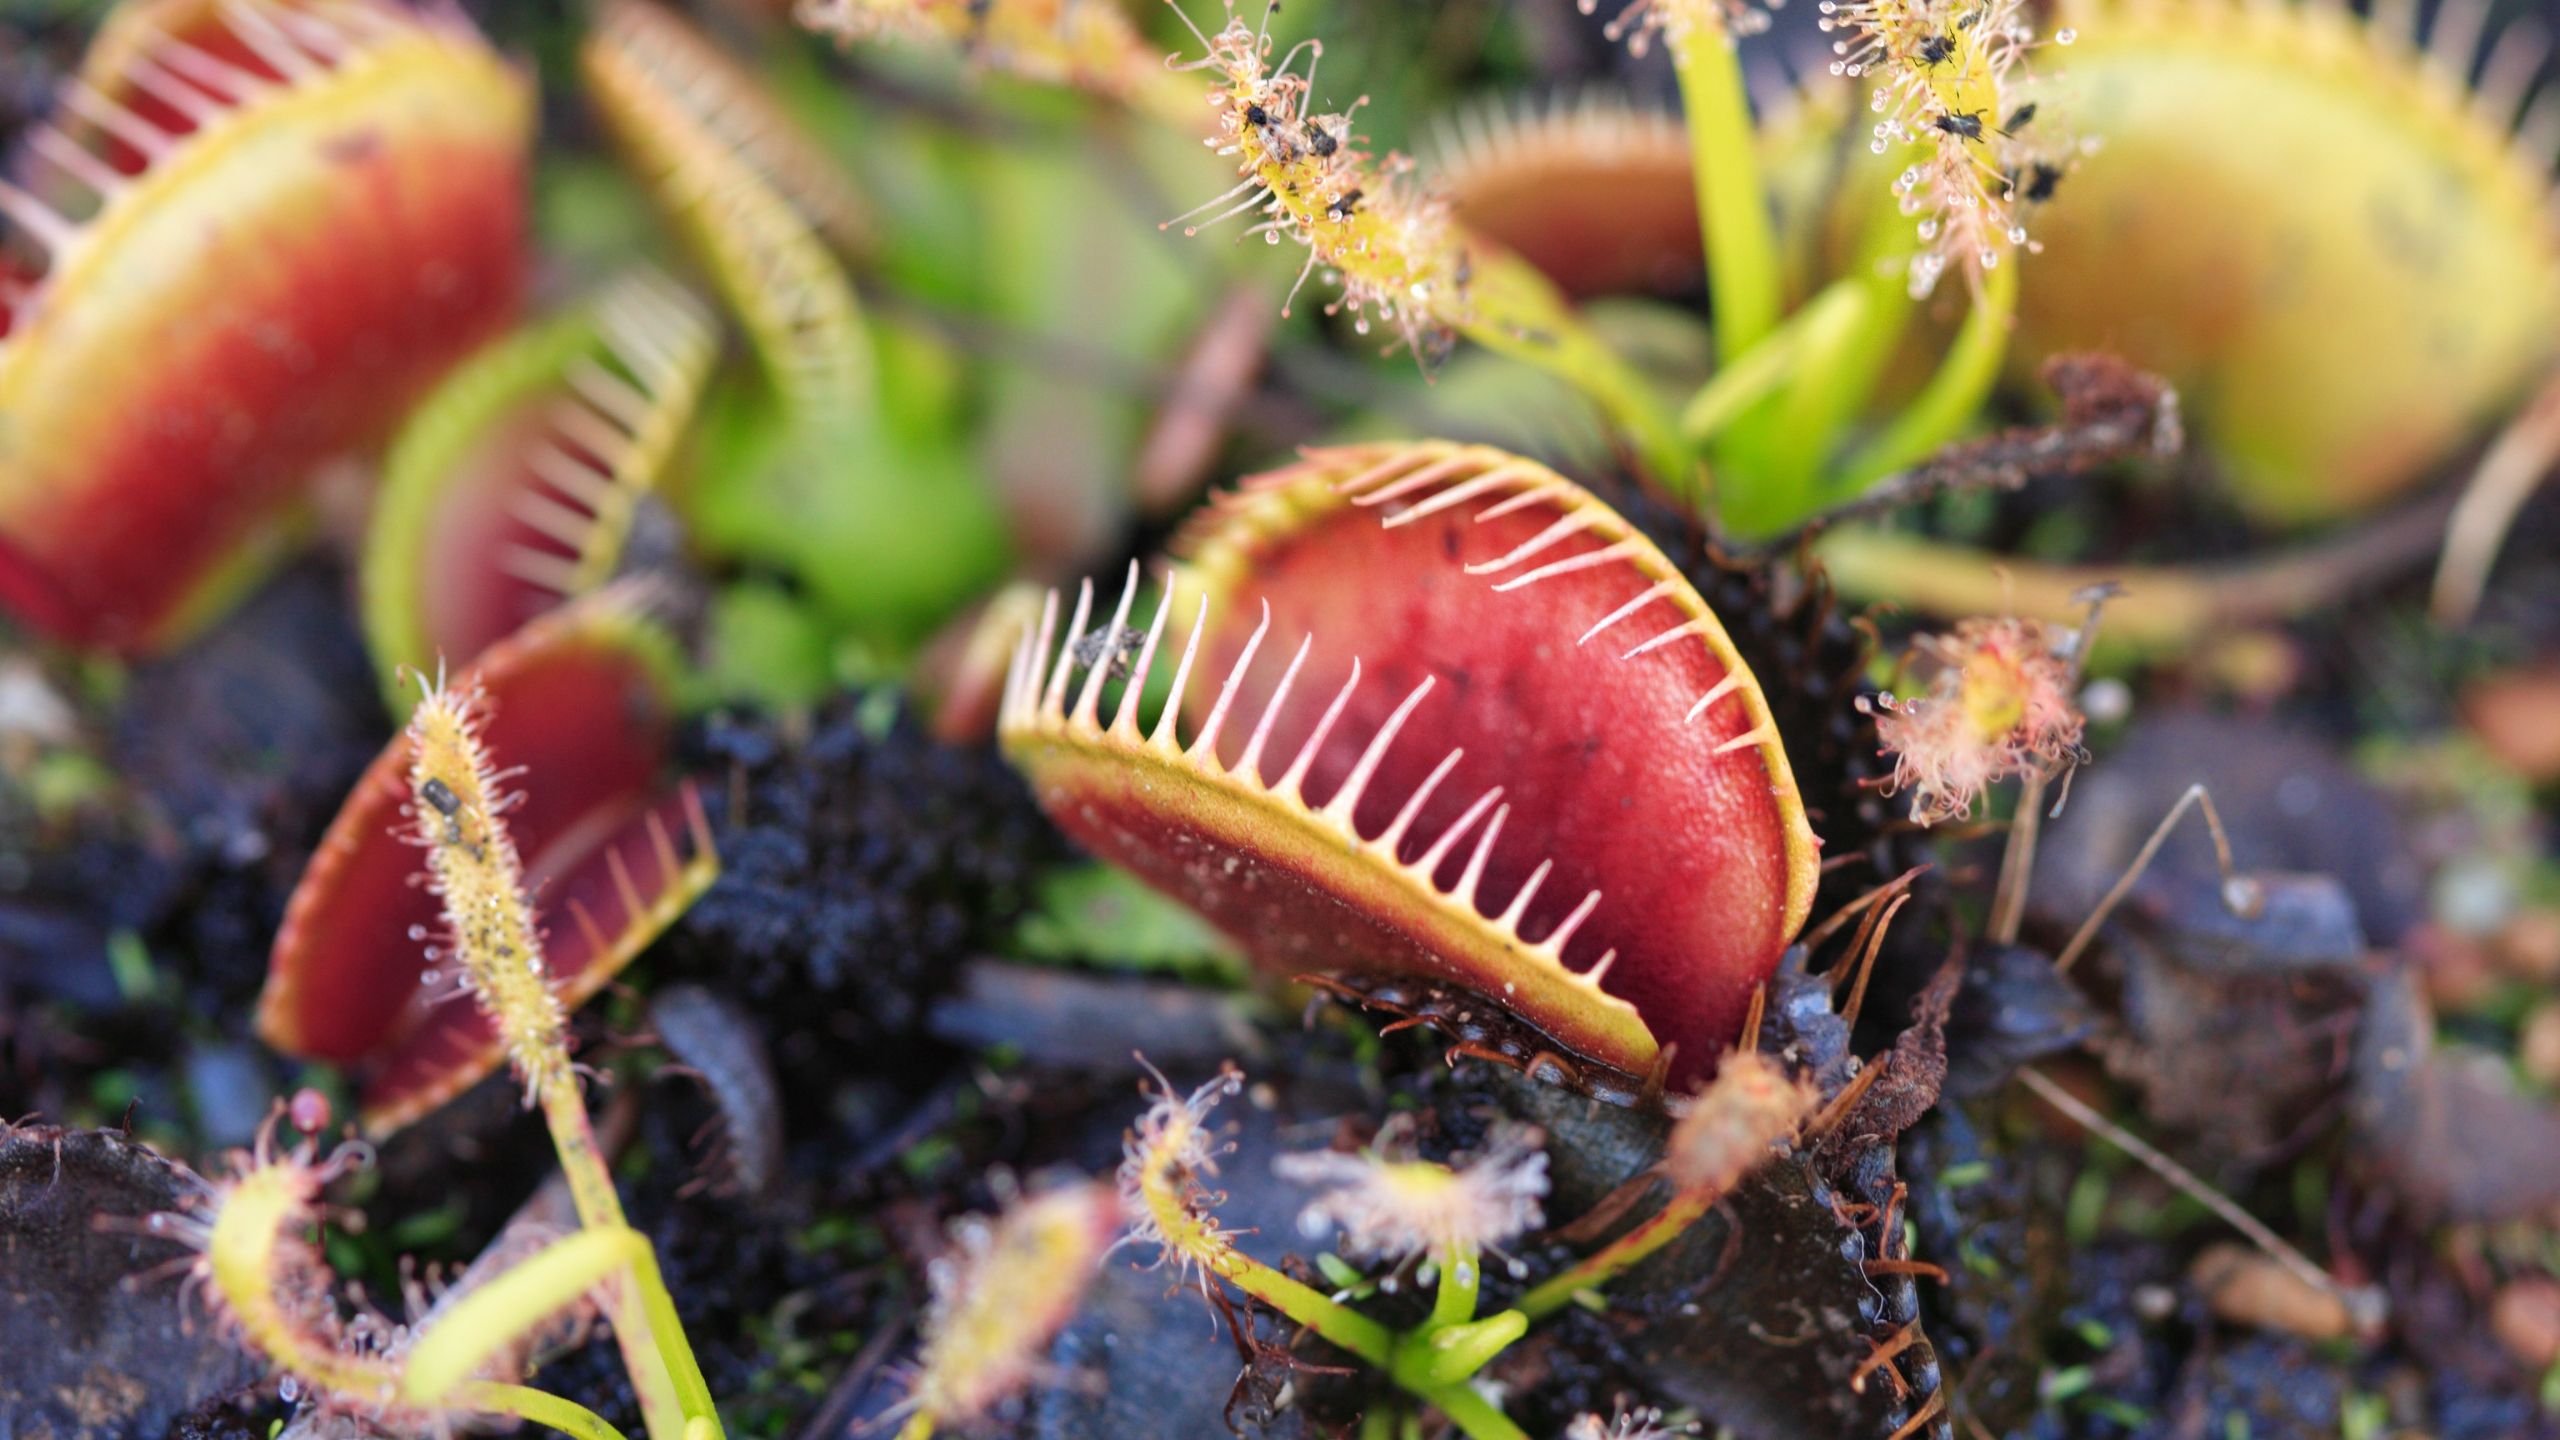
(2041, 180)
(2019, 117)
(1344, 208)
(1936, 49)
(1320, 140)
(1968, 126)
(1255, 115)
(441, 796)
(449, 805)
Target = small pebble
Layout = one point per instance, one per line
(2244, 1287)
(2526, 1319)
(2538, 1047)
(2528, 945)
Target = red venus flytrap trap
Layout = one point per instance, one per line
(582, 697)
(1594, 192)
(263, 1274)
(222, 297)
(517, 484)
(1513, 752)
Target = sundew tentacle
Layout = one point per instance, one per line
(1949, 87)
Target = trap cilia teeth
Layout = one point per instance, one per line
(748, 194)
(1595, 192)
(663, 75)
(1438, 717)
(203, 297)
(518, 484)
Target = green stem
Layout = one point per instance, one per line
(1362, 1336)
(497, 1314)
(1515, 311)
(1432, 1360)
(1784, 493)
(1733, 207)
(1744, 383)
(1474, 1415)
(1345, 1327)
(1407, 1359)
(1460, 1277)
(667, 1328)
(1790, 442)
(1612, 1260)
(663, 1371)
(1954, 395)
(525, 1403)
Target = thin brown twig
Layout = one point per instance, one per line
(1847, 972)
(2516, 465)
(1867, 960)
(2365, 1304)
(2239, 893)
(2110, 412)
(1831, 924)
(2017, 863)
(1833, 1114)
